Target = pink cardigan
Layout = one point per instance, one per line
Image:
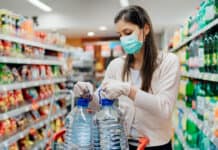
(152, 110)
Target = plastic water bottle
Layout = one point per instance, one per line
(78, 127)
(95, 137)
(109, 125)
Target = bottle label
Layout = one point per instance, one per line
(200, 104)
(210, 13)
(201, 57)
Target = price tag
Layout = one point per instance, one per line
(204, 76)
(23, 85)
(28, 61)
(201, 76)
(4, 59)
(17, 60)
(216, 77)
(4, 88)
(5, 116)
(208, 76)
(37, 83)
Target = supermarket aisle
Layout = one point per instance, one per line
(46, 46)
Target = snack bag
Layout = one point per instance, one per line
(11, 99)
(17, 76)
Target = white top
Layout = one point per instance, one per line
(150, 113)
(136, 80)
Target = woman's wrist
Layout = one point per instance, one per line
(132, 93)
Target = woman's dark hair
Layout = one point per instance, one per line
(138, 16)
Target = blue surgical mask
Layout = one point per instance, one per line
(131, 44)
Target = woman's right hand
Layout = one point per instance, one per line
(83, 89)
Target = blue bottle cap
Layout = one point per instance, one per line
(84, 102)
(107, 102)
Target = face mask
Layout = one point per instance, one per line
(131, 44)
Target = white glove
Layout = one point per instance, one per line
(113, 89)
(83, 89)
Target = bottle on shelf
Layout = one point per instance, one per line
(189, 93)
(213, 54)
(191, 134)
(209, 105)
(193, 57)
(182, 90)
(204, 141)
(177, 143)
(210, 53)
(206, 53)
(200, 98)
(201, 54)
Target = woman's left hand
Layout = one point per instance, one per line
(113, 89)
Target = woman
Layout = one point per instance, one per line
(145, 81)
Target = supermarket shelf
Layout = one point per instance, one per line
(202, 76)
(28, 107)
(198, 122)
(28, 84)
(206, 28)
(32, 43)
(11, 60)
(21, 134)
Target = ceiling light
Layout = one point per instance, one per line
(91, 33)
(124, 3)
(103, 28)
(40, 5)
